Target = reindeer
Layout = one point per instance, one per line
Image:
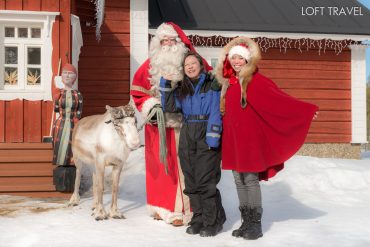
(100, 141)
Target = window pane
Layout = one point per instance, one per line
(11, 55)
(33, 76)
(35, 33)
(22, 32)
(10, 32)
(34, 55)
(10, 76)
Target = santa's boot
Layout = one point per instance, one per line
(246, 222)
(255, 230)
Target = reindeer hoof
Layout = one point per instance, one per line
(100, 218)
(115, 214)
(120, 216)
(74, 201)
(99, 214)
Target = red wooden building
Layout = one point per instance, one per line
(34, 35)
(318, 60)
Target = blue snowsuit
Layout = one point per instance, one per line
(199, 150)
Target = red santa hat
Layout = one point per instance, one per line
(172, 30)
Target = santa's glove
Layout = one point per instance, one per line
(153, 112)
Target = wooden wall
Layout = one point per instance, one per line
(28, 121)
(104, 72)
(324, 80)
(104, 67)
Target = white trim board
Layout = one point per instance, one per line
(358, 93)
(139, 50)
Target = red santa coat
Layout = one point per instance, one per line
(163, 191)
(271, 129)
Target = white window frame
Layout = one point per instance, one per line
(30, 19)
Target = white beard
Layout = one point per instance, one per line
(165, 60)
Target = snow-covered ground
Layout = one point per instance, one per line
(312, 202)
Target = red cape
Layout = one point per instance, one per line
(271, 129)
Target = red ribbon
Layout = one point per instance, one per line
(228, 72)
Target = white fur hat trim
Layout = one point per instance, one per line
(240, 50)
(165, 30)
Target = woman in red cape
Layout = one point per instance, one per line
(262, 128)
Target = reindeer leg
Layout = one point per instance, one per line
(75, 198)
(95, 195)
(116, 172)
(99, 212)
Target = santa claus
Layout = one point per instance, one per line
(165, 196)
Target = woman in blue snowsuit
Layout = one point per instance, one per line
(197, 98)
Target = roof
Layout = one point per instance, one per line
(263, 15)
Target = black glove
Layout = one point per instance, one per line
(153, 120)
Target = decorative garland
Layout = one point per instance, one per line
(281, 43)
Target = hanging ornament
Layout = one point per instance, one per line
(99, 15)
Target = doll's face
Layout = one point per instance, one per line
(237, 62)
(68, 77)
(192, 67)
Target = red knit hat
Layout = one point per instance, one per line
(69, 67)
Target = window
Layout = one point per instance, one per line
(22, 48)
(26, 54)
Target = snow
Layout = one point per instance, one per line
(312, 202)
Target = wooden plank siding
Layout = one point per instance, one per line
(28, 121)
(324, 80)
(26, 163)
(104, 67)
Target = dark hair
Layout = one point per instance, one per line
(185, 87)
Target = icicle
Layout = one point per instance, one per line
(99, 8)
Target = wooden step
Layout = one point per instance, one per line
(26, 155)
(33, 169)
(22, 146)
(40, 194)
(26, 170)
(8, 184)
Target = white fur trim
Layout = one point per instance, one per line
(165, 30)
(168, 216)
(240, 50)
(148, 105)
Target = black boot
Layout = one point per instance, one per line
(246, 222)
(194, 228)
(210, 231)
(255, 229)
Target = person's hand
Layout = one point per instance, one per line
(316, 115)
(153, 120)
(168, 77)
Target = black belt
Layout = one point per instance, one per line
(197, 117)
